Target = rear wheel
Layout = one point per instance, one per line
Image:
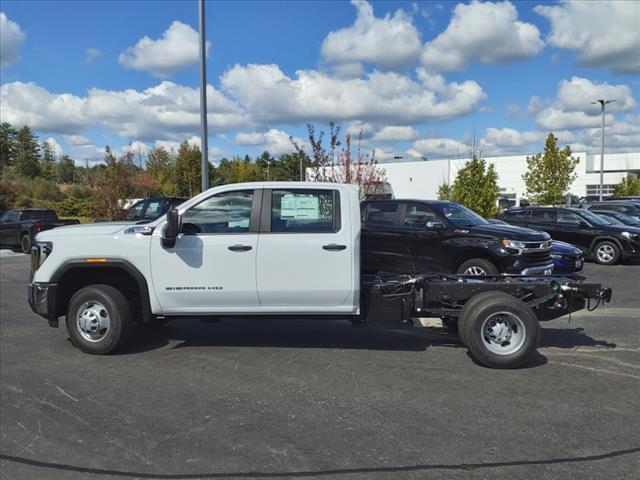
(499, 330)
(98, 319)
(25, 243)
(607, 253)
(477, 266)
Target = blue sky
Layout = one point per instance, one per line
(417, 78)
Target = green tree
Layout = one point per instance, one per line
(240, 169)
(188, 169)
(27, 161)
(65, 170)
(550, 175)
(48, 161)
(112, 188)
(628, 186)
(7, 146)
(444, 191)
(476, 187)
(161, 164)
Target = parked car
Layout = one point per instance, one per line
(439, 236)
(629, 208)
(630, 198)
(18, 227)
(567, 259)
(617, 218)
(149, 209)
(276, 249)
(599, 239)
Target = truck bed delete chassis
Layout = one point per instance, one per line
(392, 298)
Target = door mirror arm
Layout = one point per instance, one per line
(171, 229)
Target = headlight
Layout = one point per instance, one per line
(39, 253)
(514, 244)
(632, 236)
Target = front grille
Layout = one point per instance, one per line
(535, 258)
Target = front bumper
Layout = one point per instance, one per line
(42, 300)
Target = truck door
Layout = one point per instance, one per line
(212, 266)
(428, 249)
(573, 229)
(306, 257)
(382, 250)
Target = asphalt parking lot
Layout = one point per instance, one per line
(287, 399)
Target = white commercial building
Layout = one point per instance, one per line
(421, 179)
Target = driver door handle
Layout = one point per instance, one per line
(240, 248)
(334, 247)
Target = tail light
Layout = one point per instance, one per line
(36, 227)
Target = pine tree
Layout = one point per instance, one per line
(48, 161)
(549, 176)
(7, 146)
(27, 161)
(65, 170)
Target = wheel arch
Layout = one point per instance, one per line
(75, 274)
(604, 238)
(468, 254)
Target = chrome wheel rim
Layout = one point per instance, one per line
(503, 333)
(93, 321)
(606, 253)
(475, 270)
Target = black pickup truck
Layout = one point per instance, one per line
(424, 236)
(18, 227)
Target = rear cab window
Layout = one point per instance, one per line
(382, 214)
(543, 215)
(305, 211)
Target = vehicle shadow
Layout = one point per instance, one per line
(322, 334)
(312, 334)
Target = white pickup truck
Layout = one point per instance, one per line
(273, 249)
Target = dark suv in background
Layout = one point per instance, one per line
(598, 238)
(630, 208)
(437, 236)
(148, 209)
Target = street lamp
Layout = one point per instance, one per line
(203, 98)
(602, 103)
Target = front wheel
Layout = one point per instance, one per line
(98, 319)
(499, 330)
(607, 253)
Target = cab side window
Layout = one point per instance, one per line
(416, 215)
(228, 212)
(568, 218)
(154, 207)
(135, 212)
(543, 216)
(382, 214)
(304, 211)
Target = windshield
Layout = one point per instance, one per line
(460, 216)
(625, 219)
(595, 219)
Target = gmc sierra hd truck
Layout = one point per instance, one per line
(273, 249)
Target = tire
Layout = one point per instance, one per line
(25, 243)
(478, 265)
(606, 253)
(497, 314)
(99, 319)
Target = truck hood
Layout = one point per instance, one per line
(105, 228)
(563, 248)
(509, 231)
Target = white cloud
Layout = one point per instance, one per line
(30, 104)
(57, 149)
(604, 34)
(485, 32)
(578, 93)
(392, 133)
(76, 140)
(270, 96)
(390, 42)
(572, 107)
(534, 105)
(508, 137)
(176, 49)
(92, 54)
(275, 141)
(435, 147)
(11, 36)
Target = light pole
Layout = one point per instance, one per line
(602, 103)
(203, 99)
